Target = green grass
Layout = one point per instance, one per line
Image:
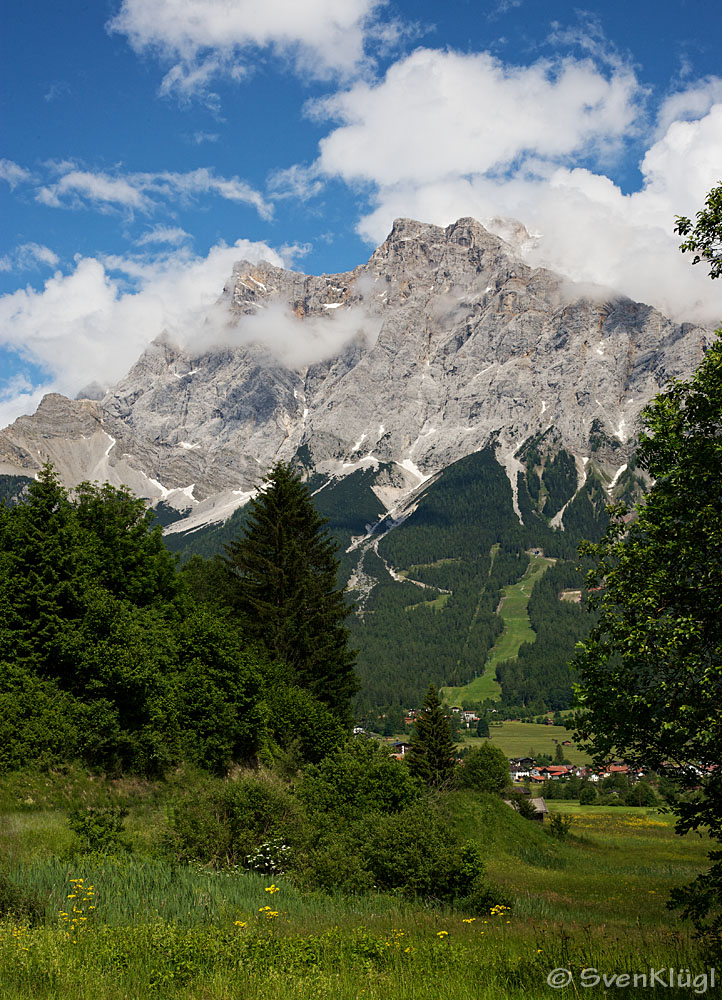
(517, 630)
(437, 602)
(166, 930)
(528, 739)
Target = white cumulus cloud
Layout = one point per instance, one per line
(445, 135)
(92, 324)
(445, 114)
(203, 38)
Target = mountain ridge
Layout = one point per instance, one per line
(442, 341)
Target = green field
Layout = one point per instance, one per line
(513, 611)
(527, 739)
(152, 928)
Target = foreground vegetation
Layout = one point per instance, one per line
(149, 925)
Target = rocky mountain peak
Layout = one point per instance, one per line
(443, 341)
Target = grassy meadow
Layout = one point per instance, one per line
(134, 924)
(528, 739)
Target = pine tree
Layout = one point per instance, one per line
(432, 756)
(482, 727)
(283, 572)
(43, 577)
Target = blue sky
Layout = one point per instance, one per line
(147, 144)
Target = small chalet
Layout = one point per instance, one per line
(520, 768)
(555, 771)
(540, 806)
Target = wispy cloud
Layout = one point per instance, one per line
(13, 173)
(504, 6)
(144, 192)
(57, 90)
(29, 256)
(79, 187)
(172, 235)
(298, 181)
(197, 138)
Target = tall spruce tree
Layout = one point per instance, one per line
(432, 756)
(283, 572)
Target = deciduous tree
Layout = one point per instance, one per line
(651, 669)
(704, 237)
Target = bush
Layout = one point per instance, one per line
(331, 860)
(219, 822)
(38, 725)
(559, 825)
(359, 778)
(412, 852)
(417, 854)
(641, 794)
(99, 828)
(303, 722)
(522, 804)
(19, 902)
(588, 795)
(485, 769)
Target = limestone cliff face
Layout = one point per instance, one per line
(443, 339)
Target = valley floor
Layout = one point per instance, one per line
(146, 927)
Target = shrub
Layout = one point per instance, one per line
(522, 804)
(641, 794)
(588, 795)
(485, 769)
(413, 852)
(299, 719)
(559, 825)
(99, 828)
(19, 901)
(37, 720)
(359, 778)
(220, 821)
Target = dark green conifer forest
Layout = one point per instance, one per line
(111, 657)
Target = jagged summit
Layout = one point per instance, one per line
(441, 341)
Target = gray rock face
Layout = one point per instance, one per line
(443, 339)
